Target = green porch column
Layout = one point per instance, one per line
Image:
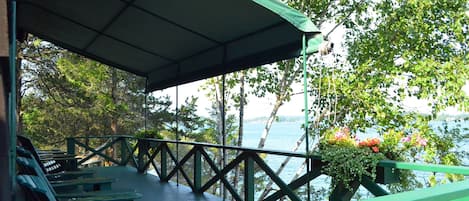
(164, 162)
(5, 176)
(9, 150)
(249, 179)
(306, 114)
(142, 150)
(197, 170)
(341, 193)
(70, 145)
(5, 182)
(124, 154)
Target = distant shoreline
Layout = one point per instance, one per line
(279, 119)
(440, 117)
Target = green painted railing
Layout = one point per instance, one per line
(144, 153)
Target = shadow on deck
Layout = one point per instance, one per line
(150, 186)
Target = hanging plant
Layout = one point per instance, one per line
(347, 159)
(149, 134)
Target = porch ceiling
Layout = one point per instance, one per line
(174, 41)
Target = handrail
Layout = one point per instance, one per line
(426, 167)
(149, 148)
(228, 147)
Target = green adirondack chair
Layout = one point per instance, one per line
(64, 175)
(37, 189)
(30, 166)
(52, 161)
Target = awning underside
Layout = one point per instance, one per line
(175, 41)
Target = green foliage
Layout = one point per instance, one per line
(64, 95)
(396, 51)
(153, 133)
(189, 123)
(346, 164)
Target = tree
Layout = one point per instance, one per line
(279, 79)
(394, 50)
(399, 50)
(218, 90)
(68, 95)
(418, 50)
(241, 101)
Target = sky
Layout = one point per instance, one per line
(261, 107)
(257, 107)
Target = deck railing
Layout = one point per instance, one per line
(197, 159)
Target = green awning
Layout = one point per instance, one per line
(174, 41)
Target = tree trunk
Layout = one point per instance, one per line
(288, 77)
(114, 100)
(270, 121)
(241, 125)
(219, 105)
(112, 150)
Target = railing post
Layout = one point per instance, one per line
(340, 192)
(197, 169)
(164, 163)
(71, 164)
(142, 150)
(249, 179)
(70, 145)
(124, 154)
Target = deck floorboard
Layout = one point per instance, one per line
(150, 186)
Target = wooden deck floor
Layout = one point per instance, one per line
(150, 185)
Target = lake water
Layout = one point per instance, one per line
(284, 135)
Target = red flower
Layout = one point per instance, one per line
(375, 149)
(369, 142)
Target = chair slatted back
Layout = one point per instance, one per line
(36, 188)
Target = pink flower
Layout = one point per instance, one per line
(357, 139)
(346, 130)
(406, 139)
(340, 135)
(421, 141)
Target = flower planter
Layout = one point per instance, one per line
(386, 175)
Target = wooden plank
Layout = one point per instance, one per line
(150, 186)
(3, 29)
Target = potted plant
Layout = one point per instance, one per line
(347, 159)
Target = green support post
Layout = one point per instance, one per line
(71, 164)
(142, 150)
(164, 163)
(249, 179)
(71, 146)
(124, 155)
(12, 96)
(341, 193)
(374, 188)
(306, 112)
(197, 170)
